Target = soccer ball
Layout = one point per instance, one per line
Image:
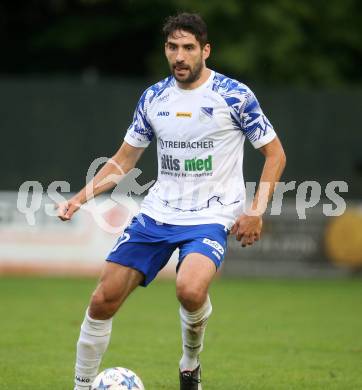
(117, 378)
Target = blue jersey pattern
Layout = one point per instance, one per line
(140, 123)
(245, 111)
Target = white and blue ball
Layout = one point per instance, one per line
(117, 378)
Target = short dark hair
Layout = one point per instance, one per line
(192, 23)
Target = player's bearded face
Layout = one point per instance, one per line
(187, 73)
(185, 57)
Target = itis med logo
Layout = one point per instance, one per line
(194, 164)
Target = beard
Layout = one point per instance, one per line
(194, 73)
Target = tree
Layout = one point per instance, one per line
(277, 42)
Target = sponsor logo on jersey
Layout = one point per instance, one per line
(163, 113)
(184, 114)
(193, 165)
(198, 164)
(170, 163)
(214, 244)
(186, 144)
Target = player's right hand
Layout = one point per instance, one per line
(67, 209)
(247, 229)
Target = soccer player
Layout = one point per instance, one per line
(199, 119)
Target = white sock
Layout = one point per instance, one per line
(92, 343)
(193, 325)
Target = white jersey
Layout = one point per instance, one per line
(200, 136)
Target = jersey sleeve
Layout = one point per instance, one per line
(254, 124)
(140, 132)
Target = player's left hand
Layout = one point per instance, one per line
(247, 229)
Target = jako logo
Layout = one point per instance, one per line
(82, 379)
(163, 113)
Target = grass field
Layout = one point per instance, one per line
(262, 335)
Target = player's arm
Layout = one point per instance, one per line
(247, 227)
(275, 161)
(108, 176)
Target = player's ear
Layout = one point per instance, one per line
(206, 51)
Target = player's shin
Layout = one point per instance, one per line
(92, 343)
(193, 325)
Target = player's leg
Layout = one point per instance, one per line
(136, 259)
(193, 280)
(115, 284)
(202, 251)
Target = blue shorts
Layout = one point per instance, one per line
(146, 245)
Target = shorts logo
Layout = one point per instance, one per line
(214, 244)
(122, 239)
(216, 254)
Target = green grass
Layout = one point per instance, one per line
(262, 334)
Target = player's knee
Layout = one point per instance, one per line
(104, 303)
(97, 298)
(190, 297)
